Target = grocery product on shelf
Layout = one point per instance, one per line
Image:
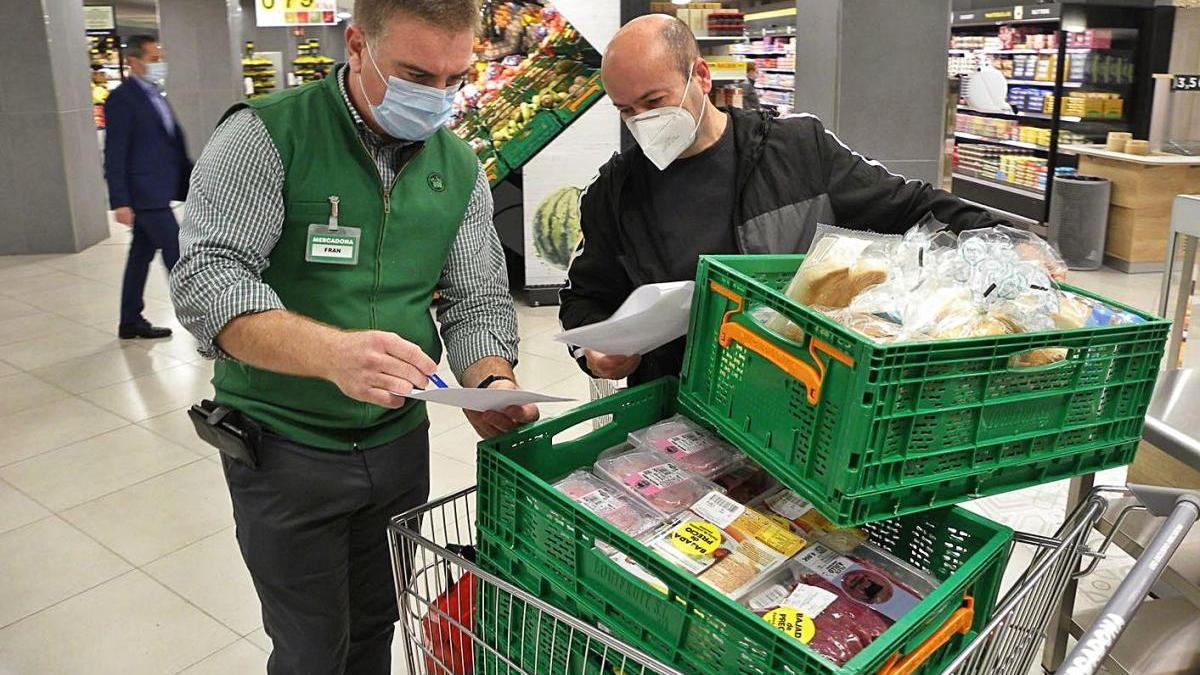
(311, 64)
(259, 71)
(688, 445)
(602, 499)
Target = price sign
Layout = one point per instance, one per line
(1185, 83)
(98, 18)
(295, 12)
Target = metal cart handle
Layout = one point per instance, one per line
(959, 623)
(1098, 641)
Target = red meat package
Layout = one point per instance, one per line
(746, 482)
(660, 483)
(687, 444)
(618, 508)
(808, 607)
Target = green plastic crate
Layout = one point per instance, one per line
(868, 431)
(537, 133)
(536, 538)
(575, 106)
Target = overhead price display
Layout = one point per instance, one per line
(295, 12)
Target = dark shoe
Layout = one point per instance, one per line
(128, 331)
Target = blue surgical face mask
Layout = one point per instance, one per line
(410, 111)
(156, 72)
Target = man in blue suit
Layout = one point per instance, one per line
(146, 166)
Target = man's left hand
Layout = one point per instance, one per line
(493, 423)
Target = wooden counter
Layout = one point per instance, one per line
(1143, 189)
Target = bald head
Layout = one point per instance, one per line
(649, 62)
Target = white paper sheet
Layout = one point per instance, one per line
(483, 399)
(652, 316)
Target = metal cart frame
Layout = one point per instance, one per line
(431, 546)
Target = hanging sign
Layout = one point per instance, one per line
(295, 12)
(99, 17)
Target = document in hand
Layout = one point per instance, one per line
(652, 316)
(483, 399)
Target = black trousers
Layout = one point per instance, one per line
(153, 230)
(312, 527)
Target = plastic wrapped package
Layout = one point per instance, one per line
(778, 323)
(663, 485)
(616, 507)
(746, 481)
(802, 516)
(838, 267)
(816, 612)
(1078, 311)
(994, 242)
(687, 444)
(871, 325)
(725, 544)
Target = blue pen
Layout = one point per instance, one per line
(438, 381)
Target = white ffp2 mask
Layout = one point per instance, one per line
(664, 133)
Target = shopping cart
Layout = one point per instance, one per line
(457, 619)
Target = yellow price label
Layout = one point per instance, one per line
(696, 538)
(793, 622)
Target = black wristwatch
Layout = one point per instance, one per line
(491, 379)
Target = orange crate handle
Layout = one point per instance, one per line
(812, 378)
(959, 623)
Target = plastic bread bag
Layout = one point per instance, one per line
(724, 544)
(816, 612)
(614, 506)
(746, 481)
(873, 326)
(687, 444)
(649, 476)
(938, 306)
(1078, 311)
(805, 519)
(1023, 246)
(777, 322)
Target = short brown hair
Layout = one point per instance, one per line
(373, 15)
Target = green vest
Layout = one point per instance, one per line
(407, 231)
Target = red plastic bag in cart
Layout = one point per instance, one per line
(447, 627)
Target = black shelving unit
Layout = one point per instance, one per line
(1140, 36)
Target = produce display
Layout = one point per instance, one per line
(688, 445)
(532, 77)
(933, 285)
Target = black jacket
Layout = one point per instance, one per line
(792, 175)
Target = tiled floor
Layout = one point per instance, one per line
(117, 551)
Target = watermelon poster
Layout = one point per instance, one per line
(554, 179)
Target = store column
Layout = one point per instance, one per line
(203, 45)
(875, 73)
(51, 188)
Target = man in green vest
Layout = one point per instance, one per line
(321, 222)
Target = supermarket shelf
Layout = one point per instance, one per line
(771, 87)
(728, 78)
(720, 39)
(789, 71)
(1039, 83)
(998, 141)
(1024, 192)
(1031, 115)
(774, 53)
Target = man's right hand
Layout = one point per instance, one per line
(124, 216)
(379, 367)
(611, 366)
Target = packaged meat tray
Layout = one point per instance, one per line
(869, 576)
(725, 544)
(746, 482)
(660, 483)
(616, 507)
(805, 519)
(687, 444)
(816, 612)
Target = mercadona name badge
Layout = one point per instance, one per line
(330, 243)
(335, 246)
